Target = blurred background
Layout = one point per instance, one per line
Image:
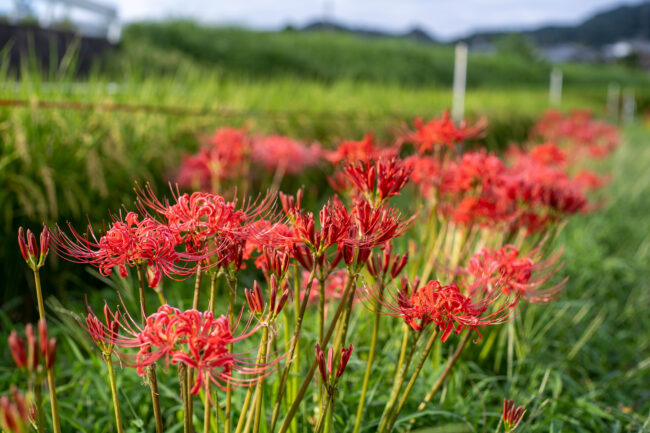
(96, 93)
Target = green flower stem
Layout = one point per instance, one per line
(232, 288)
(371, 357)
(151, 372)
(207, 412)
(259, 387)
(190, 371)
(116, 403)
(402, 368)
(292, 349)
(409, 386)
(54, 405)
(310, 374)
(441, 379)
(329, 403)
(40, 418)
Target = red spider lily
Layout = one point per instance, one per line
(326, 368)
(512, 415)
(372, 227)
(197, 340)
(14, 415)
(334, 222)
(472, 190)
(548, 154)
(351, 150)
(425, 173)
(442, 131)
(507, 270)
(104, 333)
(256, 302)
(378, 180)
(29, 249)
(386, 266)
(579, 132)
(129, 242)
(446, 307)
(26, 354)
(276, 152)
(222, 157)
(290, 204)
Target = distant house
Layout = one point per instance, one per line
(570, 52)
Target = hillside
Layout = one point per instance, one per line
(607, 27)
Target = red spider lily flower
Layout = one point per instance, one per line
(290, 204)
(548, 154)
(425, 173)
(128, 243)
(378, 180)
(507, 270)
(386, 266)
(326, 368)
(589, 180)
(29, 249)
(104, 333)
(446, 307)
(276, 152)
(577, 131)
(197, 340)
(334, 222)
(14, 416)
(512, 415)
(361, 150)
(26, 355)
(442, 131)
(256, 302)
(372, 227)
(222, 157)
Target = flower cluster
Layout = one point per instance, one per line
(26, 353)
(14, 412)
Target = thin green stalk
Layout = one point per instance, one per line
(116, 403)
(321, 326)
(207, 412)
(397, 384)
(323, 415)
(250, 392)
(40, 416)
(54, 404)
(310, 374)
(441, 379)
(259, 387)
(409, 386)
(185, 393)
(232, 287)
(151, 372)
(190, 371)
(292, 349)
(371, 357)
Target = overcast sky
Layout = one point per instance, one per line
(443, 18)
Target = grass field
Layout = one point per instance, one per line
(582, 363)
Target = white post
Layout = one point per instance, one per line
(460, 78)
(629, 106)
(555, 89)
(613, 100)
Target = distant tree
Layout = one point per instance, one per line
(515, 44)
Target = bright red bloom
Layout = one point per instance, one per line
(512, 415)
(507, 270)
(30, 251)
(222, 157)
(442, 131)
(386, 266)
(128, 243)
(447, 308)
(285, 154)
(378, 180)
(334, 222)
(362, 150)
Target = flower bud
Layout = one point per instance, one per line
(32, 350)
(45, 245)
(42, 337)
(345, 357)
(320, 359)
(21, 243)
(17, 349)
(51, 353)
(31, 244)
